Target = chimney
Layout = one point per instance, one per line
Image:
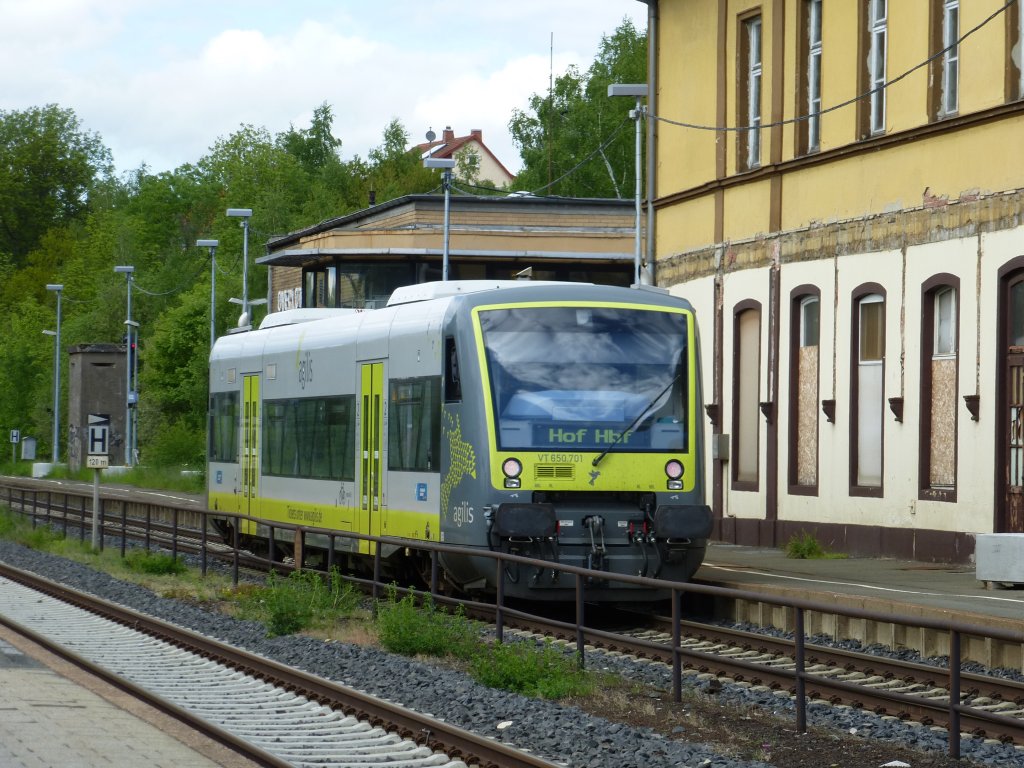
(477, 134)
(449, 134)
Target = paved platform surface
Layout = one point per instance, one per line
(49, 720)
(950, 591)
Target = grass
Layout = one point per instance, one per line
(804, 546)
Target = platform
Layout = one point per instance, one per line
(53, 715)
(901, 586)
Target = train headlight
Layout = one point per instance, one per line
(512, 469)
(674, 471)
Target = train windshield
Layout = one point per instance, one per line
(587, 378)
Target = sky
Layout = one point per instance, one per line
(161, 82)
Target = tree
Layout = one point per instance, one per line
(48, 165)
(577, 129)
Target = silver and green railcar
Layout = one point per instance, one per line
(558, 421)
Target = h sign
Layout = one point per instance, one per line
(99, 434)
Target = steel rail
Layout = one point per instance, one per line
(440, 736)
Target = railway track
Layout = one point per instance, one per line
(990, 707)
(273, 714)
(969, 704)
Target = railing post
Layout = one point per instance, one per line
(580, 650)
(99, 511)
(801, 699)
(499, 602)
(954, 694)
(49, 506)
(677, 656)
(174, 533)
(300, 548)
(81, 521)
(149, 523)
(124, 525)
(376, 575)
(64, 516)
(433, 572)
(234, 544)
(330, 553)
(202, 541)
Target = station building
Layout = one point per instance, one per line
(838, 188)
(358, 259)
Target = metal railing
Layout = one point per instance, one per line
(28, 501)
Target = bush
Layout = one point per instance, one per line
(153, 563)
(804, 547)
(410, 630)
(531, 670)
(302, 600)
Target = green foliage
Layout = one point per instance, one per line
(403, 627)
(563, 128)
(18, 528)
(300, 601)
(48, 165)
(542, 671)
(804, 546)
(155, 563)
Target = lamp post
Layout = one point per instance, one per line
(212, 245)
(639, 91)
(445, 163)
(244, 214)
(128, 272)
(56, 288)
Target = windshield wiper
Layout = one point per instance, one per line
(637, 420)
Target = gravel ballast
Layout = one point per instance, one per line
(557, 732)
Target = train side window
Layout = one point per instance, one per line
(414, 424)
(452, 377)
(310, 437)
(224, 426)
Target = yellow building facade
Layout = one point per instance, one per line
(838, 187)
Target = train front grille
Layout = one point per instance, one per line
(554, 472)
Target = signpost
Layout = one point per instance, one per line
(15, 439)
(98, 457)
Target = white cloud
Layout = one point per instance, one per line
(161, 82)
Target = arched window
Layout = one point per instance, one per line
(939, 384)
(803, 391)
(867, 378)
(746, 390)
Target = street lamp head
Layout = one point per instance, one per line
(207, 243)
(637, 90)
(445, 163)
(124, 270)
(240, 213)
(54, 287)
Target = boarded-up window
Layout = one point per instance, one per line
(746, 387)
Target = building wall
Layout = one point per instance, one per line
(923, 203)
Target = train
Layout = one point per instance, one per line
(558, 421)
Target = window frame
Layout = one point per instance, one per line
(428, 460)
(745, 484)
(874, 35)
(809, 77)
(858, 298)
(931, 290)
(750, 88)
(800, 298)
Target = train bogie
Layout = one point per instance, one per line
(555, 421)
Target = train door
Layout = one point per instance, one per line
(371, 471)
(250, 449)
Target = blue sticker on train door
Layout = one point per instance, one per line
(421, 491)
